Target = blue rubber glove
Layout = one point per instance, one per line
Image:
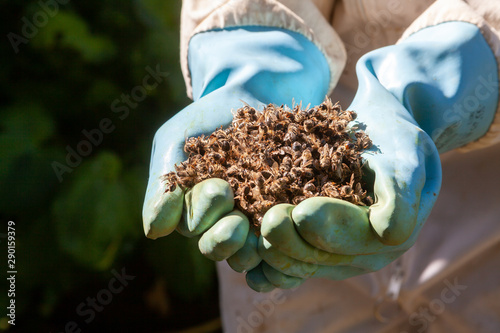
(252, 65)
(438, 88)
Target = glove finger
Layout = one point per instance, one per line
(247, 257)
(162, 211)
(429, 194)
(258, 281)
(225, 237)
(278, 228)
(397, 160)
(335, 226)
(182, 228)
(204, 205)
(293, 267)
(394, 214)
(375, 262)
(279, 279)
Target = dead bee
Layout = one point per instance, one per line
(224, 145)
(242, 203)
(307, 172)
(171, 186)
(293, 128)
(171, 181)
(306, 158)
(232, 171)
(307, 154)
(286, 164)
(258, 178)
(350, 115)
(296, 172)
(346, 190)
(300, 116)
(325, 159)
(216, 171)
(275, 186)
(296, 146)
(309, 125)
(245, 112)
(234, 183)
(217, 157)
(310, 189)
(316, 165)
(368, 201)
(337, 168)
(330, 190)
(298, 199)
(348, 145)
(246, 189)
(187, 172)
(192, 145)
(364, 142)
(290, 137)
(256, 194)
(297, 162)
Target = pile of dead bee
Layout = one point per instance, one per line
(280, 155)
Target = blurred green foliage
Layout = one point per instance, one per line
(55, 84)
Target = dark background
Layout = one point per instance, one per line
(78, 219)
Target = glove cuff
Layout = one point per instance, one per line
(443, 11)
(273, 65)
(297, 16)
(446, 76)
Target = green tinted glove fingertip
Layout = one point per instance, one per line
(162, 212)
(247, 257)
(258, 281)
(394, 217)
(334, 225)
(279, 279)
(226, 237)
(206, 203)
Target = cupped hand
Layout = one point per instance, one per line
(327, 237)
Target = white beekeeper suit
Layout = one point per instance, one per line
(449, 281)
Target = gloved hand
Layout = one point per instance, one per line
(438, 88)
(230, 67)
